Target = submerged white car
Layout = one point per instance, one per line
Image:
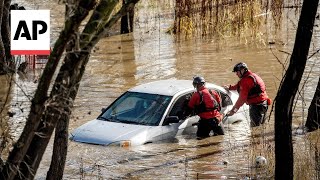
(151, 112)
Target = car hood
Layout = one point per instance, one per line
(106, 132)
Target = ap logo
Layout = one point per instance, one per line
(30, 32)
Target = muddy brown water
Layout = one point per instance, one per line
(121, 62)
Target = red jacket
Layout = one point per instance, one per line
(245, 85)
(195, 101)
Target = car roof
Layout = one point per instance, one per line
(169, 87)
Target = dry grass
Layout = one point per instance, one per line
(224, 18)
(306, 155)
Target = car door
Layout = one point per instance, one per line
(187, 122)
(226, 102)
(228, 99)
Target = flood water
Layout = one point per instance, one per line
(149, 54)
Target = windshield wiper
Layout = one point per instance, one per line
(106, 119)
(102, 118)
(129, 122)
(143, 123)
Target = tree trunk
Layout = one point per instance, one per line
(39, 100)
(127, 20)
(313, 119)
(5, 32)
(60, 146)
(2, 49)
(98, 19)
(57, 110)
(287, 91)
(5, 56)
(66, 87)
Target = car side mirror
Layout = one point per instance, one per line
(103, 109)
(171, 119)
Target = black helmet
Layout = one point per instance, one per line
(198, 80)
(240, 66)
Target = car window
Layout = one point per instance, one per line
(179, 107)
(225, 99)
(137, 108)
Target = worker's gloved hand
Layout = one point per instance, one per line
(226, 87)
(230, 113)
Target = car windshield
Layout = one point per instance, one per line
(137, 108)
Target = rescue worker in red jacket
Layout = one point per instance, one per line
(252, 91)
(206, 104)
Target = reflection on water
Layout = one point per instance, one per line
(148, 54)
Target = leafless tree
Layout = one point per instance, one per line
(5, 57)
(46, 112)
(288, 89)
(313, 119)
